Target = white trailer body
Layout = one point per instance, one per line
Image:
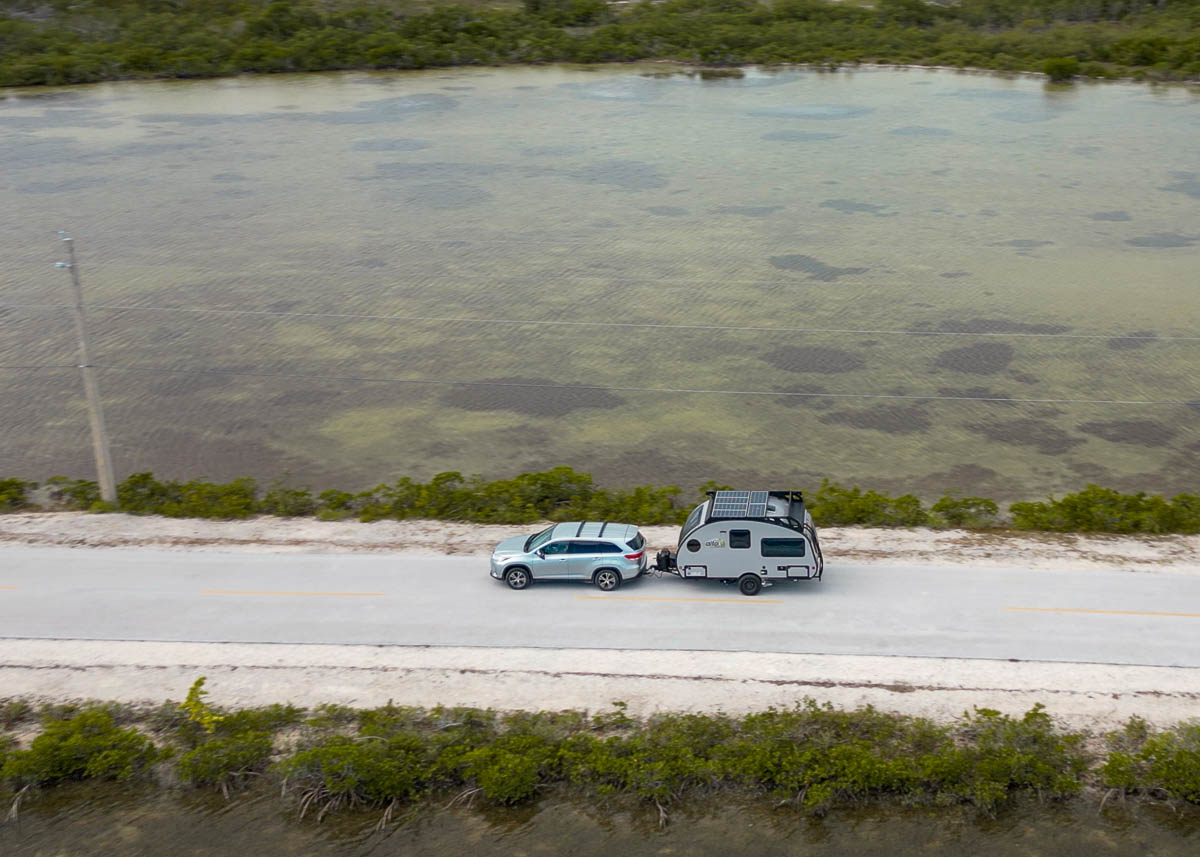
(756, 538)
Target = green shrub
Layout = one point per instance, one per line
(87, 745)
(834, 505)
(225, 761)
(1060, 69)
(73, 493)
(142, 494)
(14, 494)
(1008, 753)
(287, 502)
(510, 768)
(1097, 509)
(1167, 763)
(974, 513)
(14, 712)
(344, 771)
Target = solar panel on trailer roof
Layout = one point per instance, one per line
(740, 504)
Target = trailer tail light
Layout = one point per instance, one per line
(637, 555)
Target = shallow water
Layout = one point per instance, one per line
(369, 238)
(112, 822)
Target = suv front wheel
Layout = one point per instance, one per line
(517, 578)
(607, 580)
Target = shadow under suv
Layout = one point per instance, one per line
(605, 554)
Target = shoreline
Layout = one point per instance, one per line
(824, 68)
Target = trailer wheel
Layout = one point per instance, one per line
(607, 580)
(749, 584)
(516, 578)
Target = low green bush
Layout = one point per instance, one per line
(1060, 69)
(68, 493)
(973, 513)
(287, 502)
(226, 761)
(562, 494)
(834, 505)
(85, 745)
(1103, 510)
(344, 771)
(14, 494)
(1165, 763)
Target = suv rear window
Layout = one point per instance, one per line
(637, 542)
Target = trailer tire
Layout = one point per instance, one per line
(749, 584)
(518, 578)
(607, 579)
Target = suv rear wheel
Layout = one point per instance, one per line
(517, 578)
(607, 580)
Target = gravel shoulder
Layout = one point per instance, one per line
(1080, 696)
(1179, 554)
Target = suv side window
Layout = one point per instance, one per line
(739, 538)
(555, 547)
(583, 547)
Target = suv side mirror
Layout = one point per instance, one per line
(541, 553)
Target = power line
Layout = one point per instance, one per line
(611, 324)
(42, 366)
(628, 389)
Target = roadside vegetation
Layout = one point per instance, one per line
(78, 41)
(562, 494)
(812, 757)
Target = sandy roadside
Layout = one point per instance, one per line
(1176, 554)
(1080, 696)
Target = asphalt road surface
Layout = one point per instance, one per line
(931, 611)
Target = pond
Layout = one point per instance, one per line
(919, 280)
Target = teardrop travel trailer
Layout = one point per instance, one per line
(755, 538)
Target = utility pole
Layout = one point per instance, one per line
(104, 468)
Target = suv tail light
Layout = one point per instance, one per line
(637, 555)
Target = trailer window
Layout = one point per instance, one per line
(739, 538)
(693, 521)
(783, 547)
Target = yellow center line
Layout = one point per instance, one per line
(687, 600)
(1105, 612)
(8, 588)
(284, 592)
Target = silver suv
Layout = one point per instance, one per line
(591, 551)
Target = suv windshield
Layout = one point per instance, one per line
(536, 541)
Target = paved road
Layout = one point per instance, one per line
(1107, 617)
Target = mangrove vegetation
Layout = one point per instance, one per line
(78, 41)
(562, 494)
(813, 757)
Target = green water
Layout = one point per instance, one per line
(1049, 236)
(105, 822)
